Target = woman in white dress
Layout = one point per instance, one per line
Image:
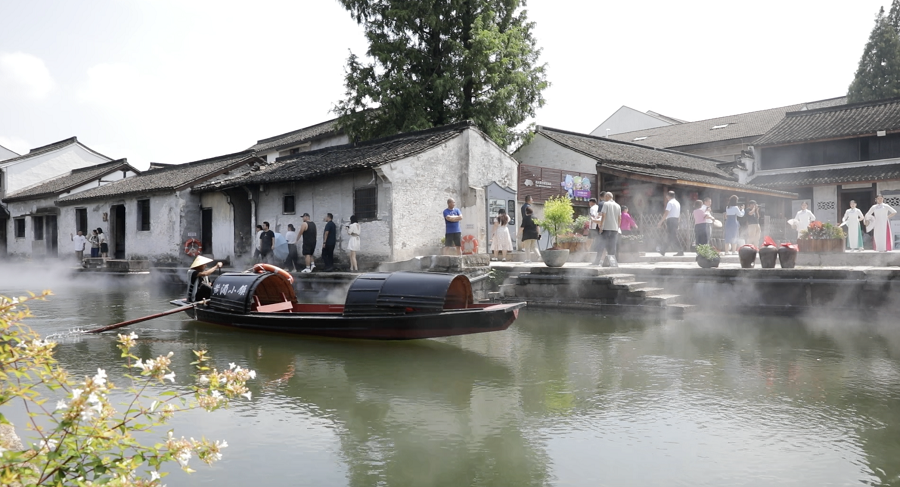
(877, 218)
(851, 220)
(501, 240)
(353, 244)
(804, 218)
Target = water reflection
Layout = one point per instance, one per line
(556, 400)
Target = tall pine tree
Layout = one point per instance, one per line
(435, 62)
(894, 15)
(878, 75)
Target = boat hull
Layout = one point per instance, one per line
(410, 326)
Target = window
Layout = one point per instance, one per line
(1, 179)
(716, 127)
(287, 204)
(38, 223)
(365, 203)
(81, 220)
(295, 150)
(20, 228)
(638, 138)
(143, 215)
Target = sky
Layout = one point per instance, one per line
(175, 81)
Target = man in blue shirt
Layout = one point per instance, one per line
(453, 236)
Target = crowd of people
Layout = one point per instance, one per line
(302, 244)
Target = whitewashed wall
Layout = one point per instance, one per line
(173, 216)
(222, 226)
(544, 152)
(332, 195)
(24, 247)
(825, 204)
(27, 172)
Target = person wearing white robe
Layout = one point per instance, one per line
(877, 218)
(804, 218)
(851, 220)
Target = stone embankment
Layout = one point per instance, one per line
(590, 288)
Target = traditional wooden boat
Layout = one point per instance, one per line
(379, 306)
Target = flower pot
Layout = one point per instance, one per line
(747, 255)
(707, 263)
(787, 257)
(555, 258)
(767, 257)
(821, 245)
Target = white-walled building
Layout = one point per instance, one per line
(627, 119)
(6, 153)
(151, 215)
(396, 186)
(34, 215)
(39, 165)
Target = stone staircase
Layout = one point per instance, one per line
(591, 288)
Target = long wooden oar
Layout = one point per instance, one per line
(146, 318)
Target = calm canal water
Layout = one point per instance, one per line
(558, 399)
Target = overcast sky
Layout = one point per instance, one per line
(176, 81)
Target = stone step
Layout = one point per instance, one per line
(662, 300)
(627, 286)
(648, 291)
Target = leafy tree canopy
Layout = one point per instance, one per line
(878, 75)
(435, 62)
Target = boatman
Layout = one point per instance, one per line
(199, 286)
(453, 235)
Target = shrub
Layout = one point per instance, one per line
(558, 214)
(707, 252)
(84, 438)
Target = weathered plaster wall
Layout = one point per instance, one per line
(333, 195)
(222, 226)
(25, 247)
(543, 152)
(423, 183)
(170, 214)
(101, 182)
(21, 174)
(825, 204)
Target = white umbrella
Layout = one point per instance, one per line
(280, 249)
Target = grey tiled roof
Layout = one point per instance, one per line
(297, 136)
(833, 122)
(745, 125)
(169, 178)
(648, 161)
(42, 150)
(70, 180)
(342, 158)
(859, 174)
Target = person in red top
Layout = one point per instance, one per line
(628, 223)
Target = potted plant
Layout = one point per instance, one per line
(629, 247)
(707, 256)
(821, 237)
(557, 220)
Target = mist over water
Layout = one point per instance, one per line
(558, 399)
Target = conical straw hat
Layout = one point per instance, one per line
(200, 260)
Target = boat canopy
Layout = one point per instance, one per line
(242, 292)
(398, 293)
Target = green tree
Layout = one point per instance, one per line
(431, 63)
(878, 75)
(894, 15)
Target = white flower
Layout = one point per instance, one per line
(170, 376)
(76, 393)
(203, 379)
(100, 378)
(132, 336)
(183, 457)
(231, 365)
(48, 444)
(216, 394)
(154, 475)
(247, 395)
(61, 405)
(222, 444)
(252, 374)
(93, 399)
(140, 365)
